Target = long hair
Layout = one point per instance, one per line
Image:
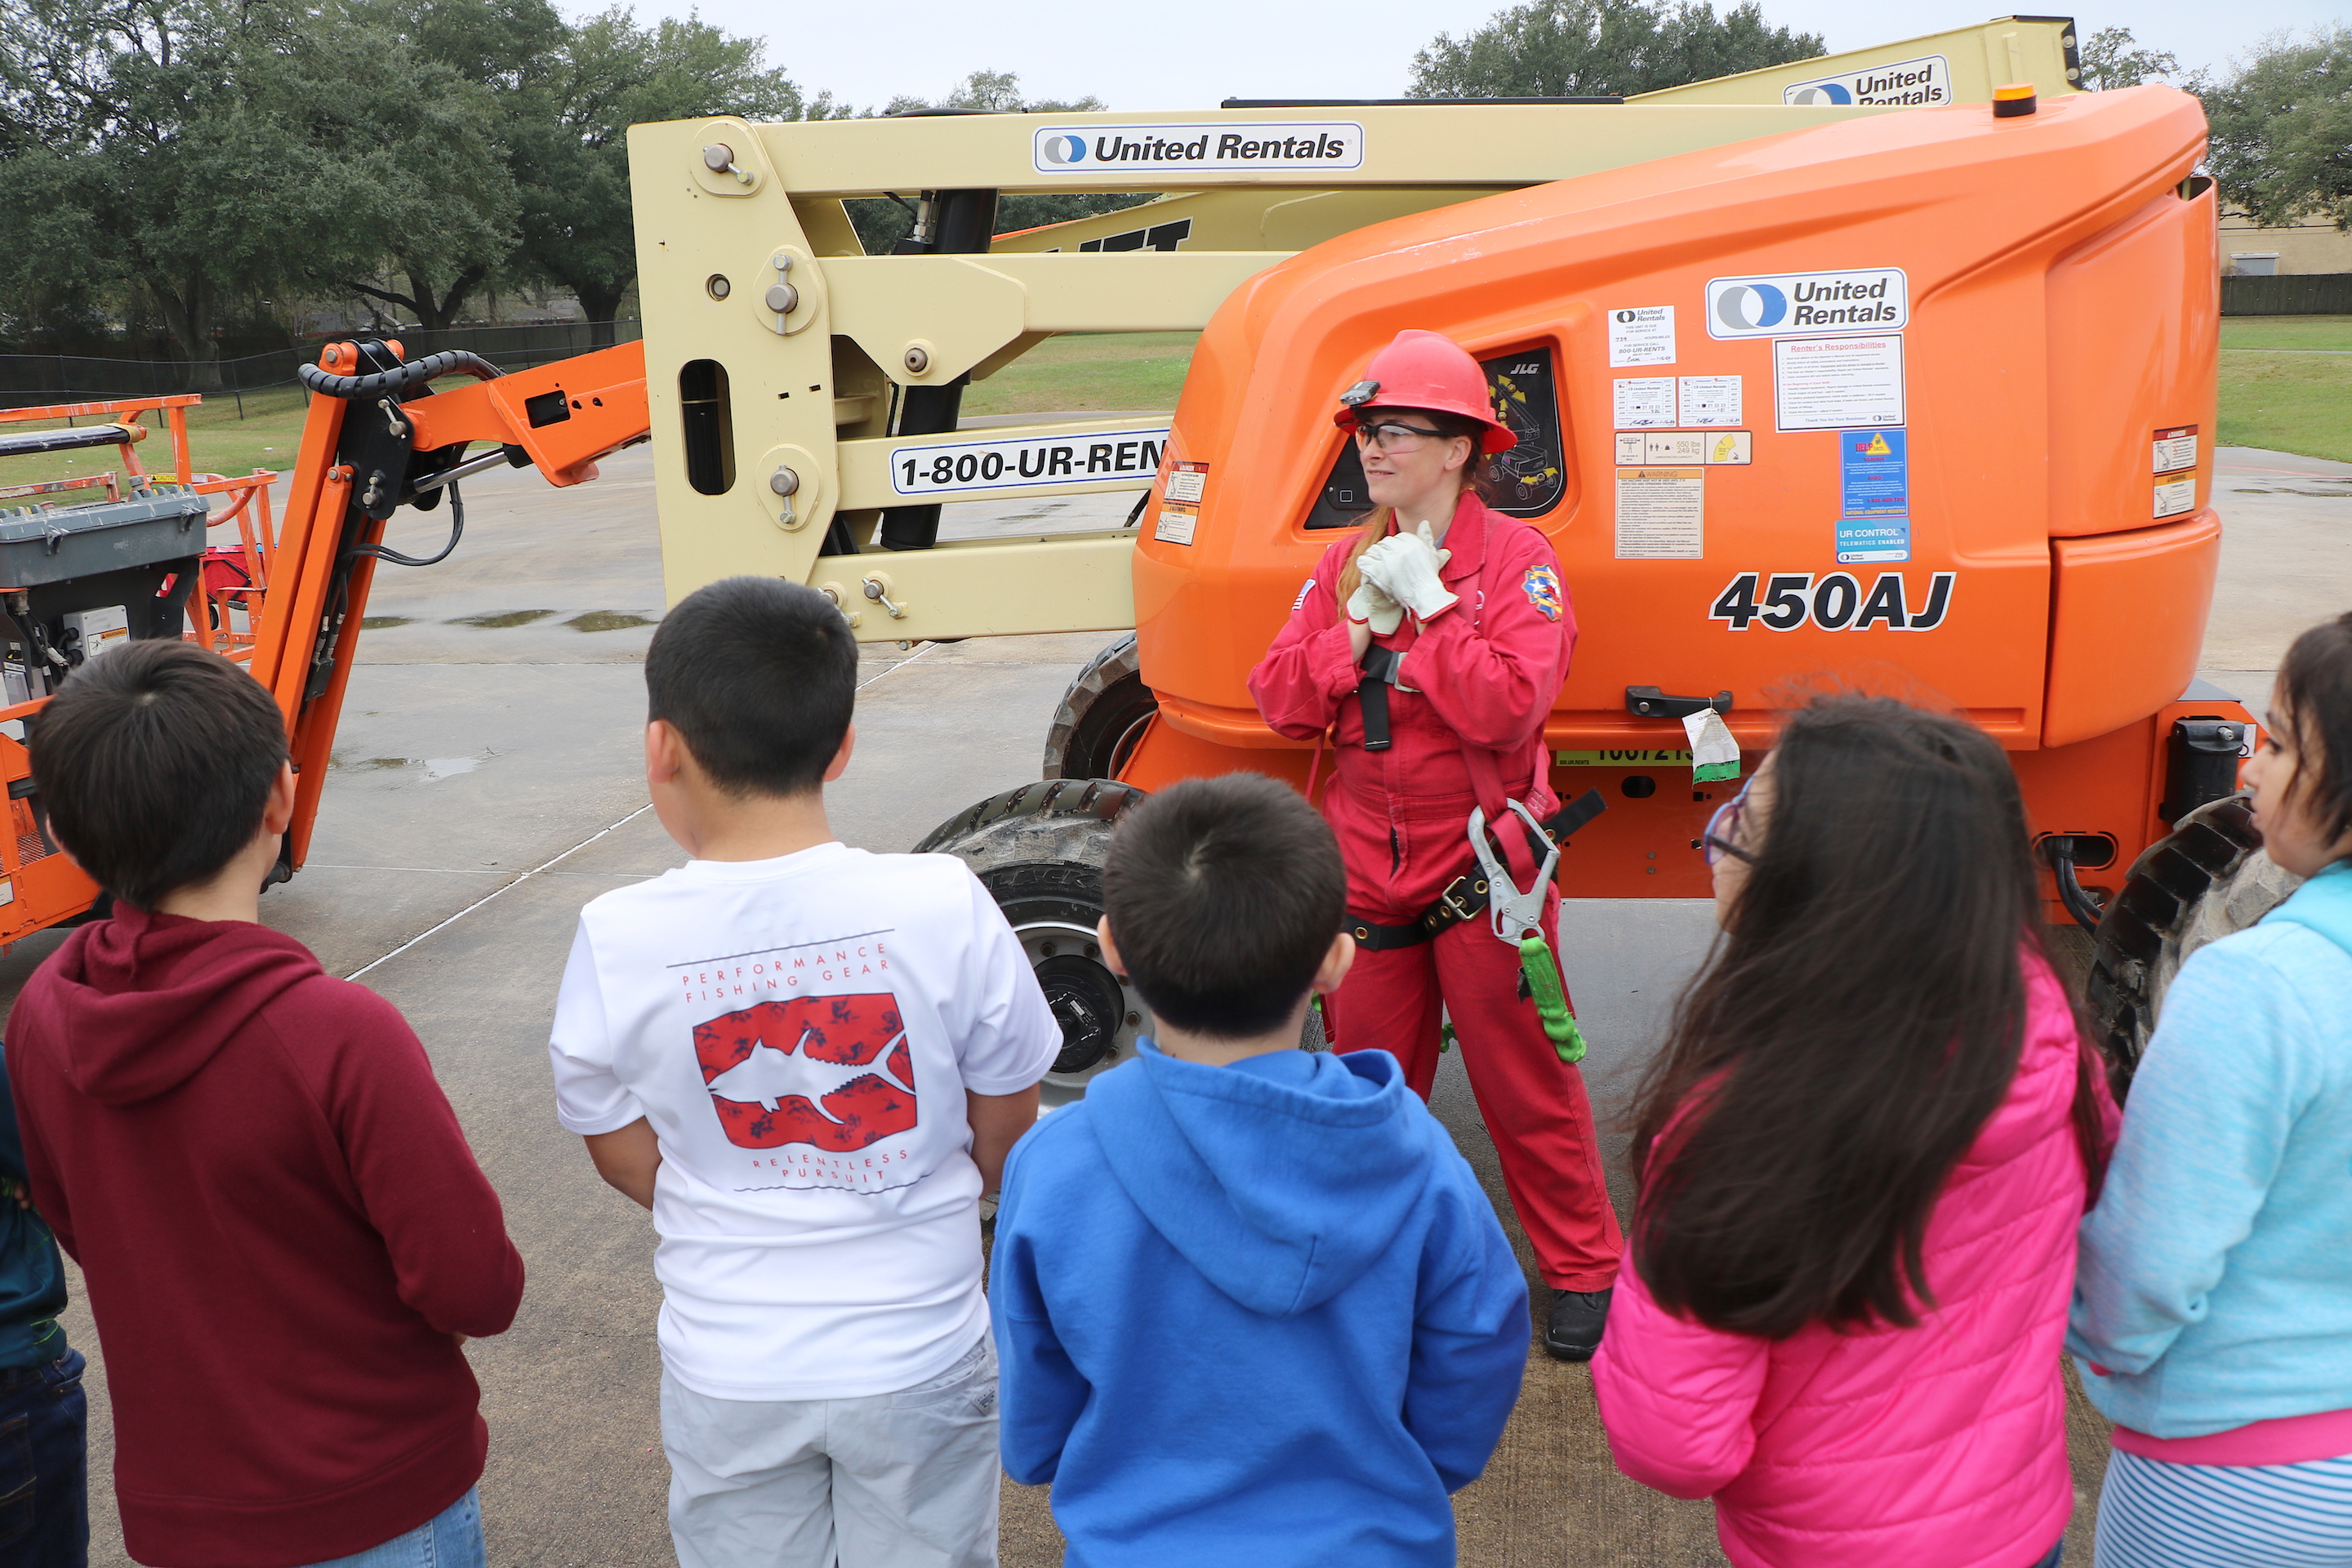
(1856, 1025)
(1477, 475)
(2314, 694)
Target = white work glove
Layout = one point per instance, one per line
(1405, 566)
(1369, 604)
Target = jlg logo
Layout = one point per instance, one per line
(1835, 603)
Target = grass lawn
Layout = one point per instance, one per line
(1095, 370)
(218, 442)
(2287, 333)
(2277, 393)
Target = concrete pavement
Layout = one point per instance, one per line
(487, 783)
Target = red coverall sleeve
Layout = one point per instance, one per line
(1492, 678)
(417, 1178)
(1310, 670)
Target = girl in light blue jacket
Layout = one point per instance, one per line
(2213, 1302)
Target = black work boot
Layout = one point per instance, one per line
(1572, 1332)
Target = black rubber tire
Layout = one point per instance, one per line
(2206, 879)
(1101, 717)
(1039, 851)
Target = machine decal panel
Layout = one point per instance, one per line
(1871, 540)
(1175, 525)
(1835, 384)
(1088, 457)
(1660, 514)
(1854, 299)
(1905, 84)
(1710, 400)
(1837, 602)
(1644, 402)
(1681, 448)
(1305, 144)
(1641, 335)
(2174, 449)
(2174, 497)
(1531, 478)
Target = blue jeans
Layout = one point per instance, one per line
(2057, 1552)
(450, 1539)
(44, 1465)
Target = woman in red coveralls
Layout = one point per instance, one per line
(1455, 621)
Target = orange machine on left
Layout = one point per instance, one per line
(184, 553)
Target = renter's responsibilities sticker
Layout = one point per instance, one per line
(1083, 457)
(1171, 149)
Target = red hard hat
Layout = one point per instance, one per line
(1426, 370)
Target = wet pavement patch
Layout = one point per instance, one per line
(502, 619)
(382, 623)
(605, 621)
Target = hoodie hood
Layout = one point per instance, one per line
(146, 1000)
(1280, 1193)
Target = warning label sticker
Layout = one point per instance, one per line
(1831, 383)
(2175, 449)
(1660, 514)
(1078, 458)
(1905, 84)
(1184, 484)
(1644, 401)
(1175, 527)
(1641, 335)
(2175, 496)
(1730, 447)
(1710, 400)
(1874, 477)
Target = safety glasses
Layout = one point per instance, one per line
(1715, 842)
(1391, 435)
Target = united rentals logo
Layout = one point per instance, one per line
(1869, 299)
(1905, 84)
(1077, 149)
(833, 1072)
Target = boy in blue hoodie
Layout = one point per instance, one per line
(1250, 1305)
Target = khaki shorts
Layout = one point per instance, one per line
(893, 1480)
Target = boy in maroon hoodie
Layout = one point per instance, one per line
(283, 1234)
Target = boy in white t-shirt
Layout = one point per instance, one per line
(809, 1062)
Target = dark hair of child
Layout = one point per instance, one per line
(1224, 896)
(2314, 694)
(155, 763)
(1856, 1025)
(758, 677)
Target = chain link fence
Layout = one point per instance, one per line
(32, 381)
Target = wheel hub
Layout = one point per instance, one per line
(1087, 1004)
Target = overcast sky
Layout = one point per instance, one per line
(1193, 53)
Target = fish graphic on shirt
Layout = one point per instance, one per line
(834, 1072)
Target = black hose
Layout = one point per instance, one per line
(2071, 891)
(457, 531)
(329, 384)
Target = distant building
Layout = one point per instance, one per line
(2250, 250)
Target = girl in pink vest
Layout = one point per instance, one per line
(1863, 1155)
